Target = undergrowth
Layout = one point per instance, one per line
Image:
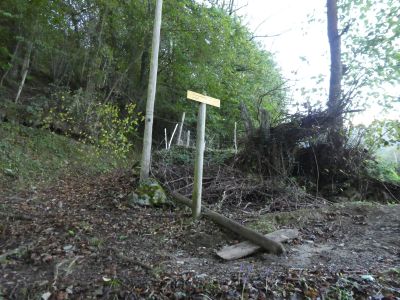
(180, 155)
(30, 157)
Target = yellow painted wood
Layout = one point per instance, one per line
(203, 99)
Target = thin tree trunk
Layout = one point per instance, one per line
(94, 65)
(12, 63)
(144, 62)
(116, 84)
(25, 69)
(151, 94)
(235, 139)
(265, 125)
(172, 136)
(248, 124)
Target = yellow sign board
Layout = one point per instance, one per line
(204, 99)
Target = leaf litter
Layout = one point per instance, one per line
(82, 239)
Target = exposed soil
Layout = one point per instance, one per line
(81, 239)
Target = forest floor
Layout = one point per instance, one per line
(80, 238)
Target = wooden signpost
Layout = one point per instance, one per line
(258, 241)
(200, 145)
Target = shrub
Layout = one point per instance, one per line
(104, 125)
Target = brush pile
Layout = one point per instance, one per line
(296, 164)
(225, 187)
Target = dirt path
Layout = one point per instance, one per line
(81, 239)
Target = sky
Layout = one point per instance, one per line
(299, 47)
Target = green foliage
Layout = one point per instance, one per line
(216, 56)
(371, 49)
(99, 51)
(31, 114)
(381, 138)
(31, 156)
(117, 133)
(104, 125)
(385, 171)
(382, 134)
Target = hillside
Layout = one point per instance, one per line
(30, 158)
(80, 235)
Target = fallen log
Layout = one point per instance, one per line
(249, 234)
(246, 248)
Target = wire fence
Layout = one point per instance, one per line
(168, 130)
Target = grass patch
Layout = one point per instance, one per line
(30, 157)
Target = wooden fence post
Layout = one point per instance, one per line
(235, 139)
(179, 142)
(166, 138)
(188, 139)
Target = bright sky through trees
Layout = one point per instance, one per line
(301, 47)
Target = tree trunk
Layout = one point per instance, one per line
(144, 63)
(265, 126)
(151, 94)
(24, 71)
(335, 87)
(335, 105)
(248, 124)
(12, 70)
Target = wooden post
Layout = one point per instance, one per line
(200, 145)
(166, 138)
(172, 136)
(179, 142)
(249, 234)
(188, 139)
(234, 139)
(198, 166)
(151, 95)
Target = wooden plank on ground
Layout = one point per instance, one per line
(246, 248)
(247, 233)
